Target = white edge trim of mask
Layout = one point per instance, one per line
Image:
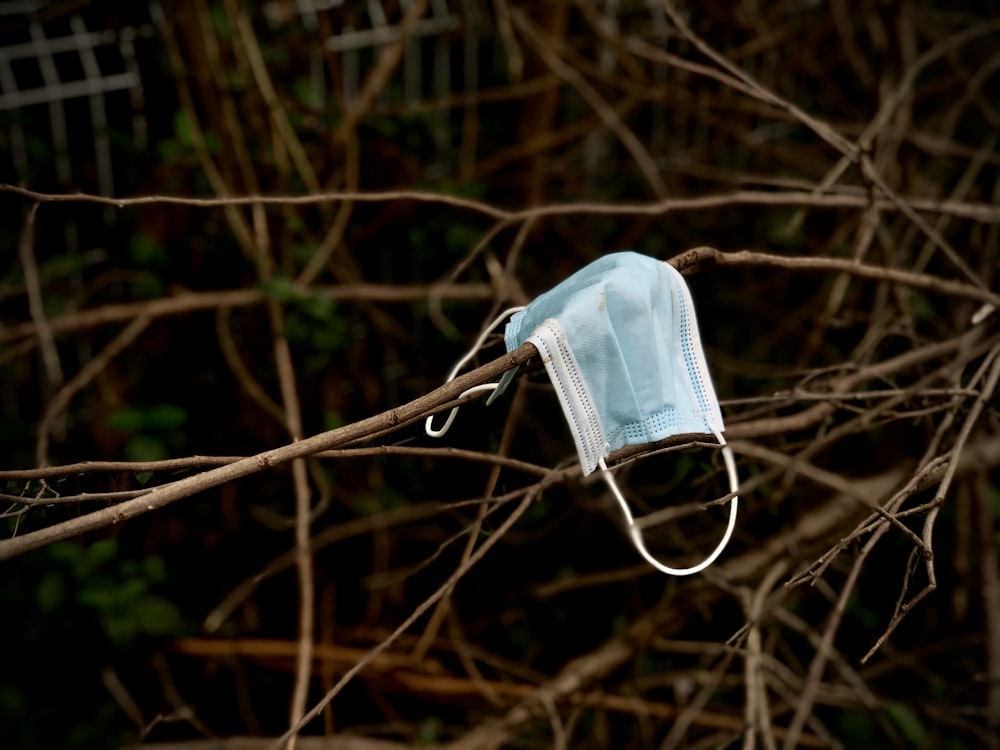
(574, 397)
(713, 414)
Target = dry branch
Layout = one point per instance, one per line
(896, 197)
(430, 403)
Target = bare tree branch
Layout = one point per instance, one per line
(393, 419)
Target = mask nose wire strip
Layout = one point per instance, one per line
(636, 532)
(485, 387)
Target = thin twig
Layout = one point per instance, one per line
(162, 496)
(543, 46)
(803, 708)
(445, 588)
(200, 462)
(986, 213)
(80, 381)
(989, 387)
(26, 252)
(231, 354)
(189, 302)
(388, 60)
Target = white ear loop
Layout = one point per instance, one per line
(485, 387)
(636, 531)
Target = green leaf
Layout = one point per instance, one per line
(145, 448)
(51, 591)
(302, 252)
(908, 723)
(220, 21)
(280, 288)
(129, 419)
(63, 266)
(145, 251)
(130, 591)
(95, 556)
(857, 727)
(565, 572)
(430, 731)
(212, 142)
(149, 287)
(99, 597)
(67, 552)
(993, 496)
(328, 337)
(155, 615)
(863, 614)
(459, 238)
(303, 91)
(317, 306)
(166, 417)
(11, 700)
(182, 128)
(154, 569)
(921, 306)
(119, 628)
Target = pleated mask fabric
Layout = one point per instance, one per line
(620, 342)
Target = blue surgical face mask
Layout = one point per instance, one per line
(620, 342)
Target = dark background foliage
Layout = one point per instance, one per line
(106, 637)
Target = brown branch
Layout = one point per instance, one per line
(232, 357)
(803, 708)
(685, 262)
(338, 742)
(853, 152)
(355, 527)
(188, 302)
(26, 252)
(929, 472)
(443, 607)
(279, 116)
(292, 417)
(989, 570)
(989, 388)
(814, 414)
(822, 129)
(823, 477)
(83, 497)
(862, 270)
(757, 713)
(388, 60)
(982, 212)
(444, 590)
(237, 222)
(543, 45)
(79, 381)
(199, 462)
(335, 236)
(162, 496)
(265, 200)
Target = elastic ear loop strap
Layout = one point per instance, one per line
(484, 388)
(636, 531)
